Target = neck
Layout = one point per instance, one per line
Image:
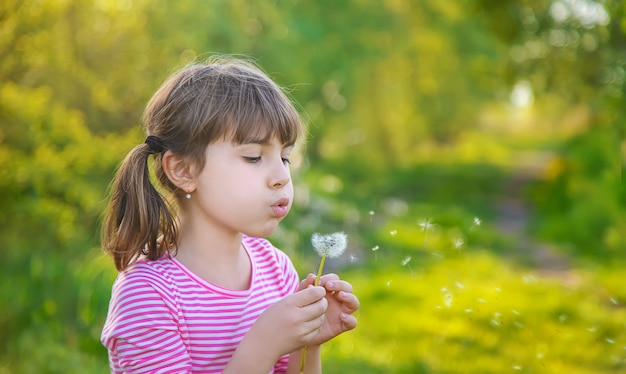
(214, 255)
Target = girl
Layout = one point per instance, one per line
(199, 290)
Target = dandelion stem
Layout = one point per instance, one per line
(302, 360)
(317, 283)
(319, 271)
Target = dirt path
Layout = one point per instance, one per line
(513, 218)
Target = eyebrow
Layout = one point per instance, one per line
(265, 142)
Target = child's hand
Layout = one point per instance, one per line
(341, 304)
(292, 322)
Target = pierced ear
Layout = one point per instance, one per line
(178, 170)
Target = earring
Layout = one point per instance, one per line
(188, 196)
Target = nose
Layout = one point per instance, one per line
(280, 174)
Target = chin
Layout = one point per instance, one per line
(262, 232)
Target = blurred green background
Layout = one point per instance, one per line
(472, 150)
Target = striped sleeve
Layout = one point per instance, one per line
(141, 331)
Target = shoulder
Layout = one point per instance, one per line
(263, 249)
(146, 280)
(272, 265)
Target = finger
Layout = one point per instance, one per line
(309, 280)
(314, 311)
(350, 303)
(308, 296)
(337, 285)
(348, 321)
(328, 277)
(310, 329)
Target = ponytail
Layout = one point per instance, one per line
(137, 214)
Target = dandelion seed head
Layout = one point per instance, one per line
(460, 285)
(332, 245)
(609, 340)
(447, 299)
(375, 248)
(371, 213)
(477, 221)
(393, 232)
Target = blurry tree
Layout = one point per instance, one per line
(573, 54)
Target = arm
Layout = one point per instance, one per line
(141, 331)
(284, 327)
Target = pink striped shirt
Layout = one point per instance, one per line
(164, 319)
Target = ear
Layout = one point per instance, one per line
(179, 171)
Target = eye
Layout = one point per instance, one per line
(286, 161)
(252, 160)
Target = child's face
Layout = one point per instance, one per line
(244, 187)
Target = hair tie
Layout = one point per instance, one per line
(156, 144)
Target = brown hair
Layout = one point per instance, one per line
(222, 98)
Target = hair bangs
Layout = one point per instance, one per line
(265, 114)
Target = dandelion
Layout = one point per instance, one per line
(393, 232)
(330, 246)
(375, 250)
(405, 262)
(475, 223)
(447, 297)
(458, 243)
(426, 225)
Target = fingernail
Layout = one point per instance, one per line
(330, 284)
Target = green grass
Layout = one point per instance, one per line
(475, 313)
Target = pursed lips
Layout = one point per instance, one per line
(281, 207)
